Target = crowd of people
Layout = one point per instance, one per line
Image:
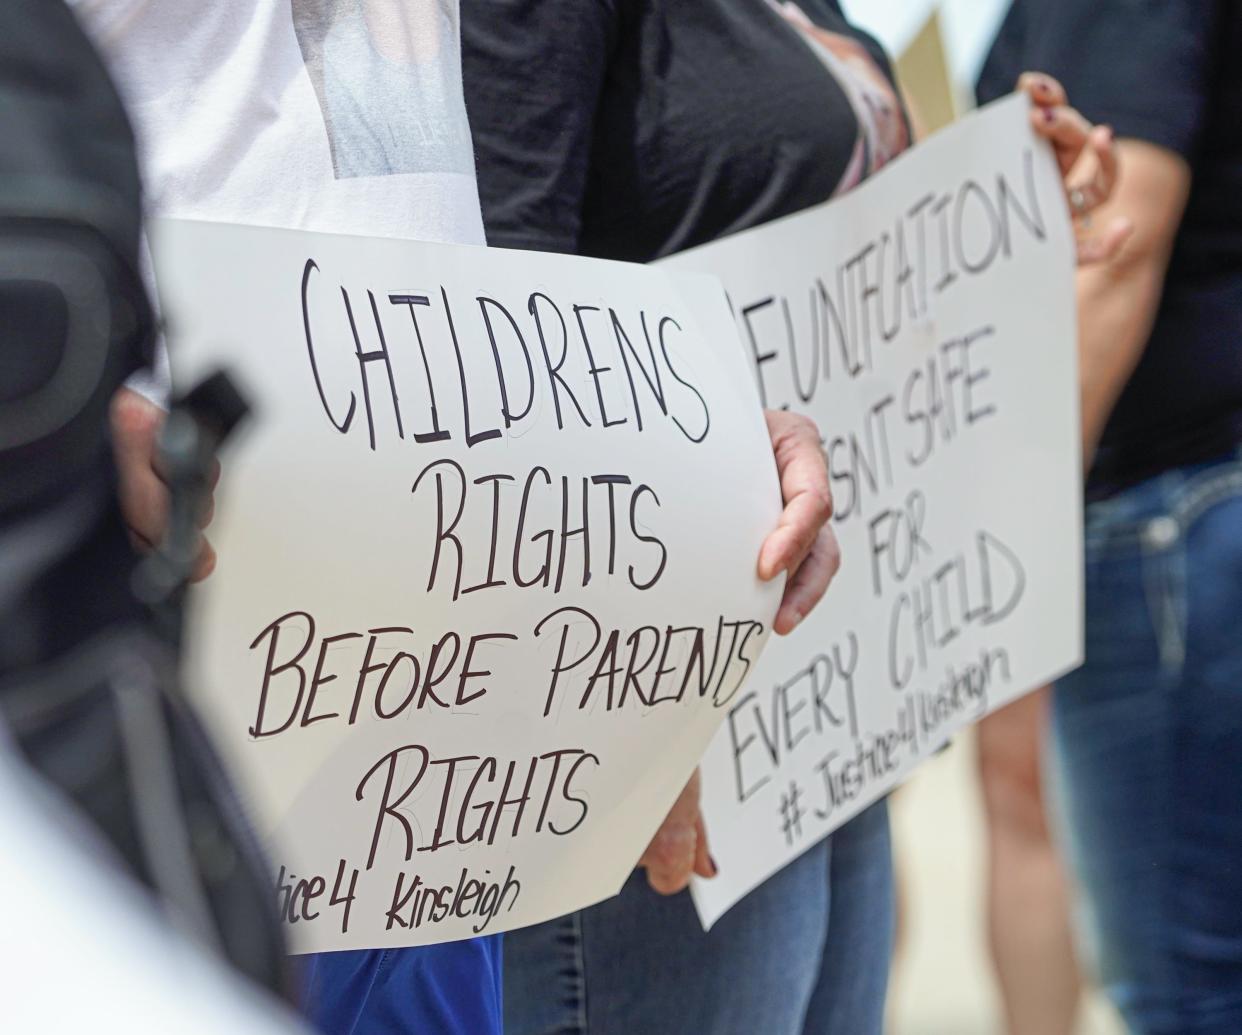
(628, 129)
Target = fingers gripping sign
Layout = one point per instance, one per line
(803, 547)
(1087, 158)
(803, 544)
(679, 848)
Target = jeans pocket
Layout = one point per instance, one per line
(1135, 604)
(1193, 502)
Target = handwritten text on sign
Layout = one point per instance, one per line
(926, 322)
(487, 557)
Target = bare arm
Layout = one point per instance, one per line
(1118, 298)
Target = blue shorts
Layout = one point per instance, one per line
(450, 989)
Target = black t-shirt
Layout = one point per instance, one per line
(631, 129)
(1167, 72)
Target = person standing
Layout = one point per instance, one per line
(89, 697)
(633, 129)
(1146, 734)
(347, 116)
(274, 114)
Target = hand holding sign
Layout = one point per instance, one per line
(1087, 158)
(803, 544)
(680, 847)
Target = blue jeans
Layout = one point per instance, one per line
(450, 989)
(806, 953)
(1147, 751)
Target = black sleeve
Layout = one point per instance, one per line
(533, 73)
(69, 203)
(1142, 66)
(1005, 60)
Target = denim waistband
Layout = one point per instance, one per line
(1155, 513)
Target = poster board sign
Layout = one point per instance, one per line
(926, 321)
(487, 565)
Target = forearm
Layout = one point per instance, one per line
(1118, 298)
(1116, 308)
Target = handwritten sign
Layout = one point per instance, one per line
(926, 322)
(487, 566)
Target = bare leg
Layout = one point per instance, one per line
(1028, 899)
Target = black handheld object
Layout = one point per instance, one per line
(198, 425)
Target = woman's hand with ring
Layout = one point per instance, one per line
(1087, 157)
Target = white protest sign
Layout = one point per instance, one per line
(926, 322)
(487, 565)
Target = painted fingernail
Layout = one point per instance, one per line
(1050, 116)
(712, 860)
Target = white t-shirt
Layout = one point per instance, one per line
(341, 116)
